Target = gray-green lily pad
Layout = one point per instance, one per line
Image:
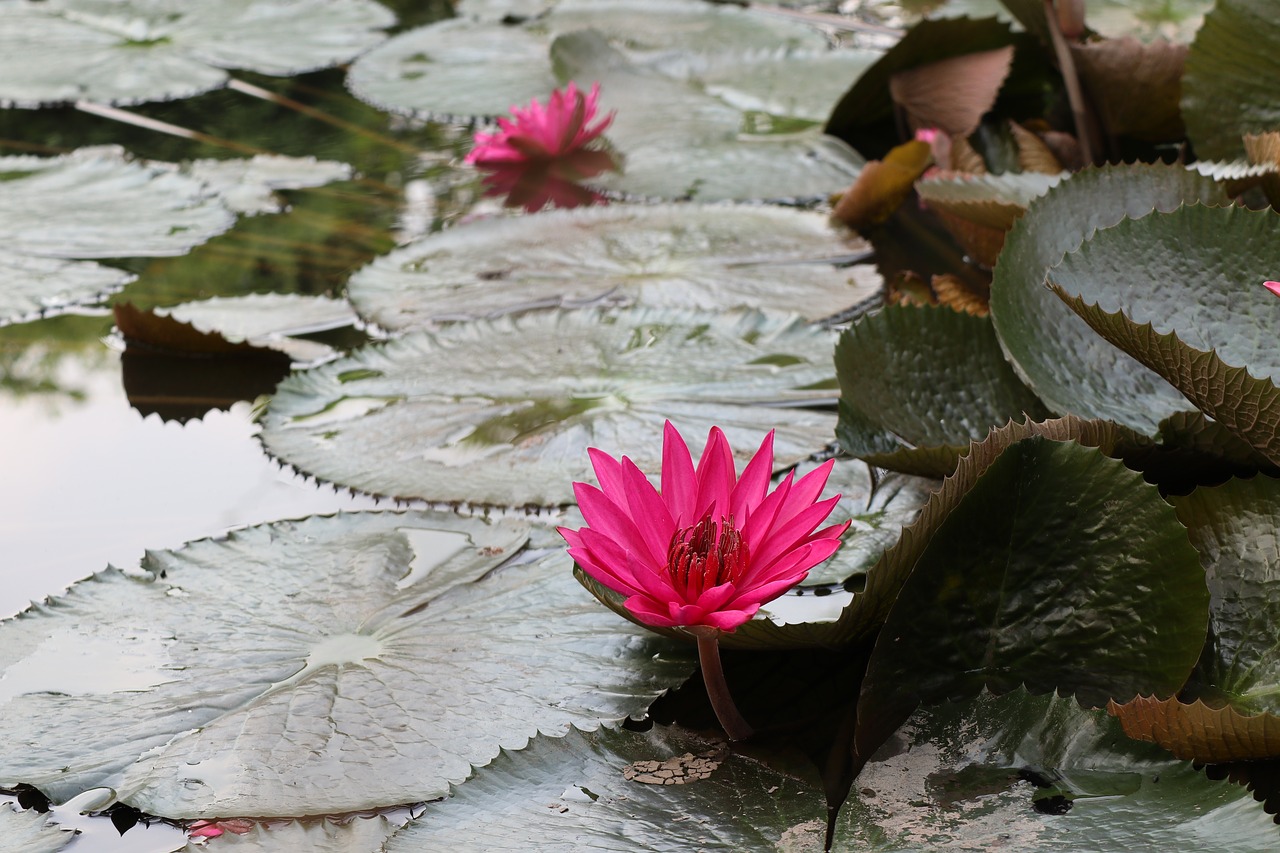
(956, 784)
(29, 831)
(1061, 359)
(502, 412)
(1229, 85)
(1182, 293)
(918, 383)
(469, 67)
(712, 142)
(249, 186)
(57, 51)
(671, 256)
(92, 203)
(359, 833)
(271, 320)
(322, 666)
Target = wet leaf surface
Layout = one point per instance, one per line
(448, 416)
(321, 666)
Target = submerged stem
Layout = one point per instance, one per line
(718, 691)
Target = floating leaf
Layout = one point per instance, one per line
(321, 666)
(502, 412)
(92, 203)
(1060, 568)
(685, 256)
(152, 331)
(958, 784)
(1229, 85)
(1064, 362)
(924, 378)
(355, 834)
(128, 52)
(1181, 292)
(28, 831)
(248, 186)
(716, 140)
(268, 320)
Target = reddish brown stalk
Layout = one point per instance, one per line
(717, 690)
(1067, 65)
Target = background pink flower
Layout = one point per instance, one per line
(710, 547)
(536, 132)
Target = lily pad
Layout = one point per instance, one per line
(92, 203)
(1060, 568)
(248, 186)
(1230, 710)
(28, 831)
(685, 256)
(1064, 362)
(716, 138)
(321, 666)
(957, 785)
(1230, 79)
(57, 51)
(918, 383)
(502, 412)
(1182, 293)
(352, 834)
(271, 320)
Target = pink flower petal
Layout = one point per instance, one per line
(679, 482)
(754, 482)
(716, 476)
(606, 517)
(1273, 286)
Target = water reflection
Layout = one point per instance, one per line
(536, 184)
(96, 482)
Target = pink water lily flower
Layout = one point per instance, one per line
(709, 548)
(1273, 286)
(536, 132)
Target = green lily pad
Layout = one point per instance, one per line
(272, 320)
(1060, 568)
(92, 203)
(57, 51)
(918, 383)
(957, 785)
(673, 256)
(868, 611)
(1230, 710)
(1229, 85)
(502, 412)
(1182, 293)
(714, 141)
(1233, 527)
(321, 666)
(1064, 362)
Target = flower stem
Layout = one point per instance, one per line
(718, 691)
